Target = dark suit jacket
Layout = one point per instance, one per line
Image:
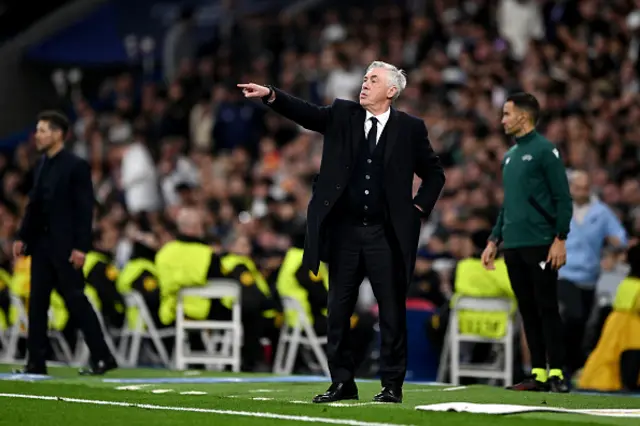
(408, 151)
(71, 214)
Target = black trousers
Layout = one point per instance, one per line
(535, 288)
(356, 252)
(575, 304)
(50, 270)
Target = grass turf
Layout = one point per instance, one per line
(231, 399)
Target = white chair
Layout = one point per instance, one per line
(502, 369)
(131, 337)
(19, 330)
(214, 290)
(294, 335)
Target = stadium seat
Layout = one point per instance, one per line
(19, 330)
(294, 335)
(232, 330)
(450, 359)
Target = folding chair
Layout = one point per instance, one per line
(502, 369)
(19, 330)
(294, 335)
(144, 328)
(215, 289)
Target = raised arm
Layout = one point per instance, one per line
(308, 115)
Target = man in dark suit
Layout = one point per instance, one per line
(56, 233)
(363, 219)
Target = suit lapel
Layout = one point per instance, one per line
(391, 130)
(357, 130)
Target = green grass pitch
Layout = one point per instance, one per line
(207, 398)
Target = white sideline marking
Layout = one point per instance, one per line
(202, 410)
(193, 393)
(265, 390)
(262, 399)
(162, 390)
(454, 389)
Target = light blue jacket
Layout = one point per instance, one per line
(585, 242)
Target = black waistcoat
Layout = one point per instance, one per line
(363, 201)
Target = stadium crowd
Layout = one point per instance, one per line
(193, 140)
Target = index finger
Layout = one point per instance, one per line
(244, 85)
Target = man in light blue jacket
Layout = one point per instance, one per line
(593, 226)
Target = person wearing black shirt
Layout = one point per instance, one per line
(56, 233)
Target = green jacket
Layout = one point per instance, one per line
(537, 203)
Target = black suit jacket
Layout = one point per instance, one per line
(71, 216)
(408, 151)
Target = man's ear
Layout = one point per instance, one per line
(391, 92)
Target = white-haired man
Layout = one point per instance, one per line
(363, 219)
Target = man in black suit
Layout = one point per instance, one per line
(363, 219)
(56, 233)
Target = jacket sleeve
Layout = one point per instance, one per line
(556, 176)
(25, 226)
(429, 169)
(308, 115)
(83, 198)
(496, 233)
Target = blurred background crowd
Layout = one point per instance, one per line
(176, 131)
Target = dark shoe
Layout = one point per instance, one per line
(389, 394)
(99, 368)
(557, 385)
(530, 384)
(338, 392)
(30, 369)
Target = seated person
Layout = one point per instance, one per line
(188, 261)
(5, 295)
(614, 365)
(473, 280)
(100, 275)
(140, 274)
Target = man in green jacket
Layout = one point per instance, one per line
(533, 225)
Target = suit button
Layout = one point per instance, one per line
(369, 160)
(366, 207)
(338, 186)
(346, 167)
(364, 222)
(326, 202)
(366, 192)
(367, 177)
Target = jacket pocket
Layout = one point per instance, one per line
(536, 205)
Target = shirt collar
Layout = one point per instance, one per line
(382, 118)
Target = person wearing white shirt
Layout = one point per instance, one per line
(139, 180)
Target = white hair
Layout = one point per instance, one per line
(395, 77)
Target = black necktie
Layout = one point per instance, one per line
(373, 134)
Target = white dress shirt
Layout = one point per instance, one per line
(382, 121)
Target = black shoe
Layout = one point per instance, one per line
(389, 394)
(99, 368)
(30, 369)
(530, 384)
(338, 392)
(558, 385)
